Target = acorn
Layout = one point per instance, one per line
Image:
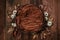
(13, 24)
(49, 23)
(46, 14)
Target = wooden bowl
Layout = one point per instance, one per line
(30, 18)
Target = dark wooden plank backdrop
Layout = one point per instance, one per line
(54, 11)
(2, 18)
(58, 18)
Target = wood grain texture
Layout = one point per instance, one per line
(30, 18)
(2, 20)
(58, 18)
